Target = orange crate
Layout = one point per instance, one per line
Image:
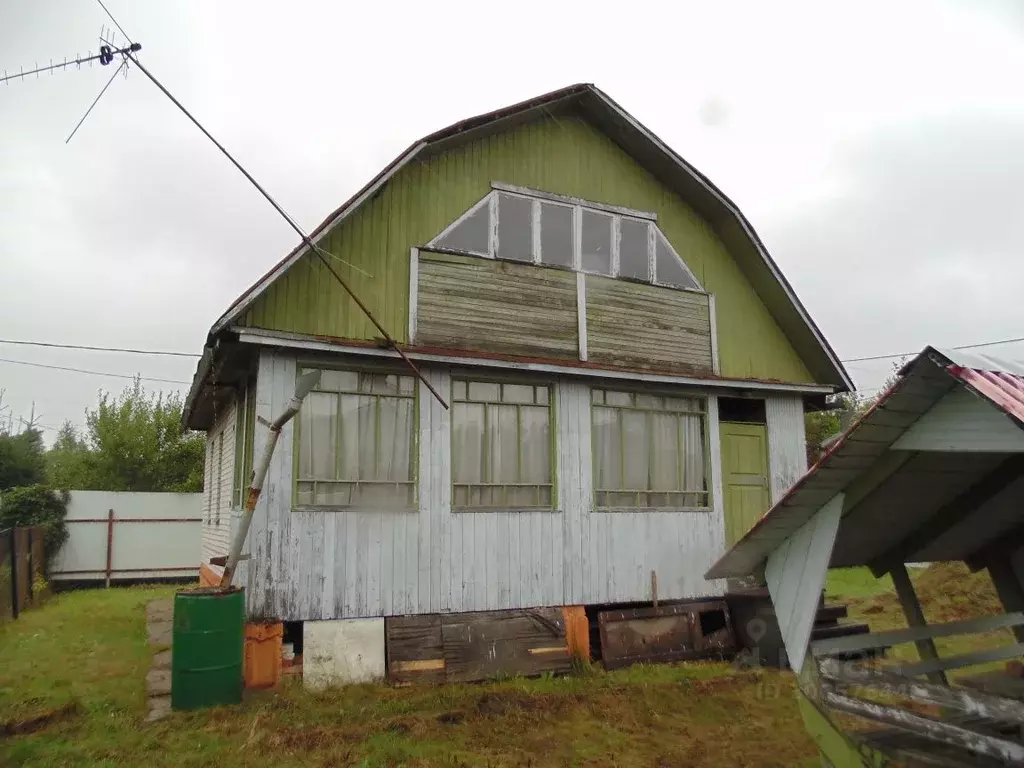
(262, 661)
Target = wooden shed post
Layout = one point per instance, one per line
(1008, 587)
(915, 618)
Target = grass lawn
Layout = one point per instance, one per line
(83, 657)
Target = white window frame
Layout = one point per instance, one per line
(577, 206)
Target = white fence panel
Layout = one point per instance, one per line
(117, 536)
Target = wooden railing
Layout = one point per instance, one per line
(978, 723)
(22, 560)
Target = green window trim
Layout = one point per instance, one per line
(612, 492)
(245, 425)
(373, 390)
(494, 395)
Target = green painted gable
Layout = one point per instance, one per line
(563, 155)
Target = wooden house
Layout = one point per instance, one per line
(615, 375)
(933, 472)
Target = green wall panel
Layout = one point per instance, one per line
(563, 155)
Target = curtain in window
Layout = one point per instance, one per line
(501, 445)
(649, 451)
(356, 446)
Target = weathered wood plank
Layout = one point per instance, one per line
(481, 645)
(946, 733)
(667, 633)
(969, 702)
(897, 636)
(415, 649)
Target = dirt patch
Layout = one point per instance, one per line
(451, 718)
(39, 720)
(310, 739)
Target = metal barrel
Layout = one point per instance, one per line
(206, 658)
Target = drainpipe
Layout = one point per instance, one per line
(303, 387)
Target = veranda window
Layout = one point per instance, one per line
(649, 451)
(356, 441)
(501, 445)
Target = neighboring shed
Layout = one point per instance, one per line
(933, 472)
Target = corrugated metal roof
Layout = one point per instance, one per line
(996, 379)
(923, 382)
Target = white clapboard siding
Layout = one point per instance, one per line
(962, 421)
(340, 564)
(787, 442)
(218, 483)
(795, 573)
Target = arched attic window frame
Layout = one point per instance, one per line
(648, 256)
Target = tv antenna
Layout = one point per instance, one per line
(127, 54)
(108, 52)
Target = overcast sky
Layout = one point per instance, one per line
(878, 149)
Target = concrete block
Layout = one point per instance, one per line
(342, 651)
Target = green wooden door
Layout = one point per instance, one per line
(744, 477)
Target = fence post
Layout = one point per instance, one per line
(110, 544)
(14, 573)
(31, 567)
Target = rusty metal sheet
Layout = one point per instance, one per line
(669, 633)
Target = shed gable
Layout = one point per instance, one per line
(563, 155)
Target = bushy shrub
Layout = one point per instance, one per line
(37, 505)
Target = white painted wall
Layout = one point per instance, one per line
(138, 549)
(795, 574)
(962, 421)
(787, 443)
(342, 564)
(218, 484)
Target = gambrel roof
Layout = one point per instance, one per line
(650, 153)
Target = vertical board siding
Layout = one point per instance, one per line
(962, 421)
(787, 443)
(565, 156)
(647, 326)
(348, 564)
(494, 306)
(218, 484)
(795, 573)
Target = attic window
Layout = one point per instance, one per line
(524, 225)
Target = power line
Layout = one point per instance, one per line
(306, 239)
(98, 349)
(908, 354)
(93, 373)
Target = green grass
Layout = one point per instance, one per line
(83, 655)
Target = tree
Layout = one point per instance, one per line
(21, 459)
(37, 505)
(842, 412)
(133, 442)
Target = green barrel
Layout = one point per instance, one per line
(206, 658)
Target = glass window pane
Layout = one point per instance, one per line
(635, 449)
(395, 439)
(483, 391)
(542, 395)
(472, 235)
(317, 433)
(596, 245)
(458, 390)
(597, 395)
(607, 448)
(669, 269)
(618, 398)
(686, 404)
(407, 385)
(633, 249)
(536, 445)
(515, 228)
(517, 393)
(467, 442)
(339, 381)
(647, 401)
(503, 443)
(664, 459)
(556, 234)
